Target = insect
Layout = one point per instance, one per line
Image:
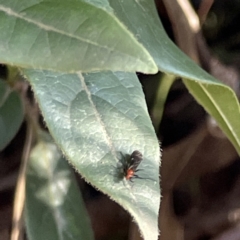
(130, 168)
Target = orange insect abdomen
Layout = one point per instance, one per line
(129, 174)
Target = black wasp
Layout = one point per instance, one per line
(130, 168)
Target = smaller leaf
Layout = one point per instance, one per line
(11, 114)
(222, 104)
(54, 207)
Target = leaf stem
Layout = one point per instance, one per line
(164, 86)
(19, 199)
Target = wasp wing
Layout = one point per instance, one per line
(135, 159)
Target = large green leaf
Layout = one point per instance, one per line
(68, 36)
(54, 207)
(218, 99)
(98, 120)
(11, 114)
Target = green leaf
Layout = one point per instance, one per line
(68, 36)
(218, 99)
(11, 114)
(54, 207)
(222, 104)
(98, 120)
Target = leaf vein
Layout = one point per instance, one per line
(10, 12)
